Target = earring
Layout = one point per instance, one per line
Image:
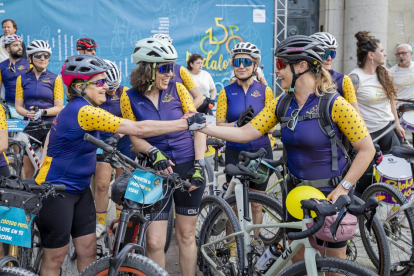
(372, 61)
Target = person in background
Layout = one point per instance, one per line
(204, 82)
(403, 72)
(182, 75)
(9, 28)
(12, 67)
(86, 45)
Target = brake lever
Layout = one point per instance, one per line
(334, 227)
(369, 222)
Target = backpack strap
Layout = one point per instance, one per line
(326, 126)
(283, 106)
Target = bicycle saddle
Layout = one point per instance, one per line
(239, 170)
(215, 143)
(403, 152)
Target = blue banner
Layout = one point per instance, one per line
(15, 225)
(209, 28)
(15, 125)
(144, 188)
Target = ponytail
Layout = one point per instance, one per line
(324, 82)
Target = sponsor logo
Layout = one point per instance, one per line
(314, 110)
(46, 80)
(21, 67)
(256, 94)
(114, 98)
(168, 98)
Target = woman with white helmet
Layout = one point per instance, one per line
(154, 97)
(103, 169)
(39, 93)
(344, 84)
(245, 96)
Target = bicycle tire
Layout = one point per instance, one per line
(133, 264)
(170, 228)
(209, 190)
(31, 258)
(380, 259)
(273, 192)
(272, 207)
(12, 271)
(393, 228)
(215, 207)
(333, 265)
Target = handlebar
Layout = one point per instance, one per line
(246, 156)
(36, 187)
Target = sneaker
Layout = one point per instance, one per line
(100, 229)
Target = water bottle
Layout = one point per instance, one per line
(268, 258)
(224, 189)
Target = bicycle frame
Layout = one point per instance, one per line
(22, 140)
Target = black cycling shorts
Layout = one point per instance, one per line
(4, 171)
(60, 218)
(38, 134)
(232, 157)
(186, 204)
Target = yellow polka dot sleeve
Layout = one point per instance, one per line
(269, 95)
(349, 91)
(3, 122)
(58, 89)
(221, 112)
(126, 108)
(266, 119)
(1, 78)
(19, 89)
(125, 89)
(95, 118)
(187, 103)
(187, 78)
(348, 120)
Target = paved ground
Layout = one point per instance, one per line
(69, 267)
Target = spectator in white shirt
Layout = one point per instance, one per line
(403, 72)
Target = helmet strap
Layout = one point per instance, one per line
(295, 77)
(152, 82)
(83, 94)
(35, 67)
(246, 79)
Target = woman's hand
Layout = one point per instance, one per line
(189, 114)
(337, 192)
(400, 131)
(31, 114)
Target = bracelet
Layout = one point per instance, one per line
(152, 147)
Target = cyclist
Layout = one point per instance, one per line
(71, 161)
(204, 82)
(234, 99)
(86, 45)
(154, 97)
(39, 94)
(12, 67)
(182, 75)
(4, 144)
(103, 169)
(309, 152)
(344, 84)
(259, 77)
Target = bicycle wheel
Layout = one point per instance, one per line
(170, 228)
(215, 219)
(133, 265)
(12, 271)
(329, 265)
(399, 236)
(209, 190)
(272, 212)
(31, 258)
(275, 189)
(375, 245)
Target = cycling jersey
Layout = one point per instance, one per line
(3, 125)
(113, 106)
(233, 100)
(182, 75)
(173, 102)
(70, 160)
(9, 78)
(40, 92)
(344, 86)
(308, 149)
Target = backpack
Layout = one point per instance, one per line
(324, 121)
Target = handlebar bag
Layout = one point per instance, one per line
(16, 198)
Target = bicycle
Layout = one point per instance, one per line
(246, 260)
(130, 233)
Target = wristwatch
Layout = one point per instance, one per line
(200, 162)
(346, 184)
(44, 113)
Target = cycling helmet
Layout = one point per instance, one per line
(246, 48)
(38, 46)
(113, 75)
(163, 36)
(85, 43)
(154, 50)
(328, 40)
(8, 39)
(82, 67)
(295, 196)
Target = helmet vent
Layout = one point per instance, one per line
(136, 49)
(154, 54)
(84, 69)
(172, 51)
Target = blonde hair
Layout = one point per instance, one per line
(324, 82)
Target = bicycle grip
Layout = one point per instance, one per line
(307, 233)
(94, 141)
(59, 188)
(186, 184)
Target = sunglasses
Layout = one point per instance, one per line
(247, 62)
(113, 87)
(90, 50)
(165, 68)
(291, 124)
(40, 55)
(99, 83)
(281, 64)
(402, 54)
(328, 53)
(12, 69)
